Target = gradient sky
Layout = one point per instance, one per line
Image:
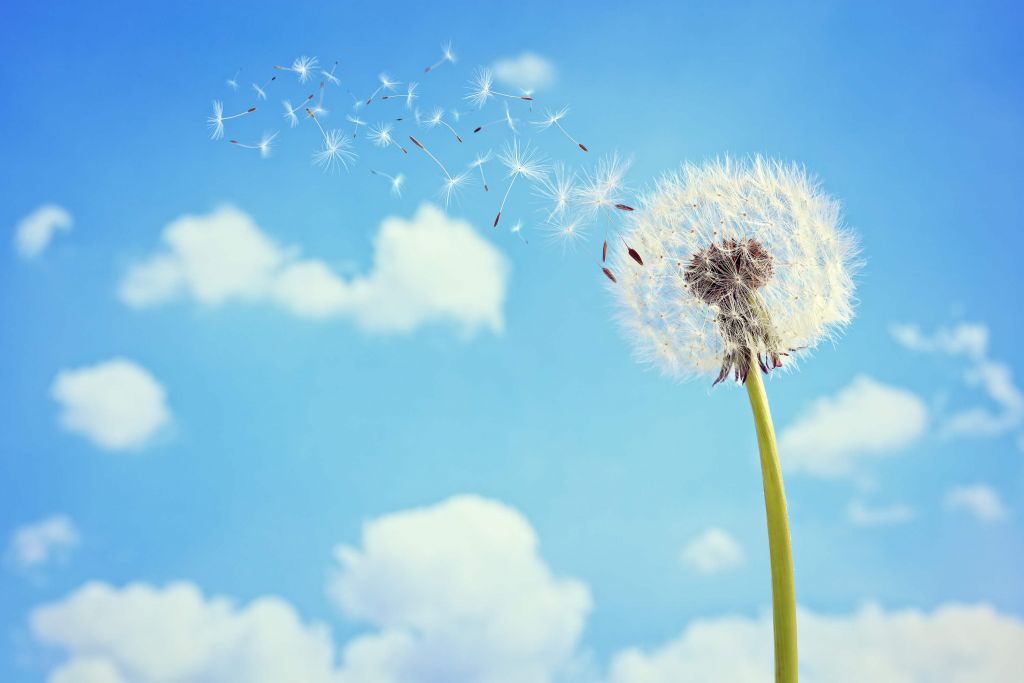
(289, 434)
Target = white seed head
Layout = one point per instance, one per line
(303, 67)
(481, 88)
(558, 190)
(337, 151)
(289, 113)
(451, 187)
(523, 160)
(551, 118)
(216, 121)
(743, 261)
(380, 134)
(604, 187)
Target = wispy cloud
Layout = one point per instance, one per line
(865, 419)
(431, 268)
(527, 72)
(995, 379)
(41, 543)
(712, 552)
(979, 500)
(116, 404)
(34, 232)
(862, 514)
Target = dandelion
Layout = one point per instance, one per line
(302, 67)
(233, 81)
(559, 189)
(216, 120)
(437, 119)
(386, 83)
(381, 136)
(265, 145)
(482, 89)
(478, 163)
(506, 119)
(329, 75)
(554, 119)
(396, 181)
(337, 149)
(409, 96)
(291, 113)
(520, 161)
(447, 55)
(745, 263)
(261, 90)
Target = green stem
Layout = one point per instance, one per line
(779, 547)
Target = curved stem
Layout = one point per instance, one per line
(780, 549)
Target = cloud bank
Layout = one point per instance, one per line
(34, 232)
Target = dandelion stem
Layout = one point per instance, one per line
(779, 545)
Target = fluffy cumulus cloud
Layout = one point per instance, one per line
(36, 545)
(527, 72)
(862, 514)
(458, 592)
(953, 644)
(995, 379)
(430, 268)
(35, 231)
(455, 592)
(146, 634)
(116, 404)
(712, 552)
(865, 419)
(979, 500)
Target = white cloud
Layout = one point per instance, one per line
(713, 552)
(117, 404)
(145, 634)
(953, 644)
(970, 340)
(866, 418)
(40, 543)
(862, 514)
(527, 72)
(34, 232)
(979, 500)
(459, 593)
(432, 268)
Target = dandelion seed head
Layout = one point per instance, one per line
(396, 184)
(551, 118)
(387, 83)
(451, 187)
(380, 134)
(523, 160)
(558, 190)
(567, 230)
(448, 52)
(481, 159)
(744, 262)
(603, 187)
(266, 144)
(216, 120)
(303, 67)
(481, 88)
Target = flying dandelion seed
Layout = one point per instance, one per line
(447, 56)
(520, 161)
(291, 113)
(265, 145)
(481, 89)
(396, 181)
(506, 119)
(517, 230)
(233, 81)
(559, 190)
(554, 118)
(329, 75)
(409, 95)
(319, 108)
(381, 136)
(430, 154)
(337, 150)
(386, 83)
(451, 186)
(568, 231)
(261, 90)
(302, 67)
(216, 120)
(603, 189)
(356, 121)
(437, 119)
(478, 163)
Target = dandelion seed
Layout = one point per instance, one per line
(233, 81)
(602, 190)
(608, 274)
(554, 119)
(381, 136)
(436, 160)
(437, 119)
(604, 251)
(520, 161)
(357, 121)
(746, 258)
(337, 149)
(302, 67)
(319, 109)
(517, 230)
(447, 55)
(386, 83)
(456, 116)
(568, 230)
(559, 188)
(396, 181)
(482, 89)
(329, 75)
(291, 113)
(409, 96)
(506, 119)
(451, 186)
(265, 145)
(478, 163)
(216, 120)
(261, 90)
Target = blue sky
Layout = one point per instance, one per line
(287, 434)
